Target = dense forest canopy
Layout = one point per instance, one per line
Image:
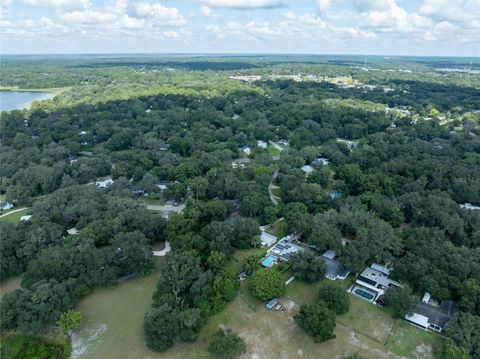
(414, 159)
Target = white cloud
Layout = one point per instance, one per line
(205, 10)
(168, 16)
(245, 4)
(92, 17)
(59, 4)
(170, 34)
(450, 10)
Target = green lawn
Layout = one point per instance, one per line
(273, 151)
(154, 201)
(14, 217)
(113, 320)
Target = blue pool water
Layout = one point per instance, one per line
(267, 261)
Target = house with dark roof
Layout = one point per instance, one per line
(431, 314)
(333, 268)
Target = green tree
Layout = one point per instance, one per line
(317, 321)
(334, 296)
(267, 284)
(225, 344)
(451, 351)
(69, 321)
(160, 327)
(251, 263)
(307, 266)
(400, 300)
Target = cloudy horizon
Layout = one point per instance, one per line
(371, 27)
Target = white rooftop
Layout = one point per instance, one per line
(380, 268)
(417, 319)
(262, 144)
(104, 184)
(307, 169)
(267, 239)
(469, 206)
(330, 254)
(72, 231)
(25, 218)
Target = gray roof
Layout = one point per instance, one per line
(333, 268)
(438, 315)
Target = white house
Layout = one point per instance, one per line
(25, 218)
(5, 206)
(267, 239)
(262, 144)
(372, 283)
(469, 206)
(72, 231)
(104, 184)
(307, 169)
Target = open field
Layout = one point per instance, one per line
(13, 216)
(114, 316)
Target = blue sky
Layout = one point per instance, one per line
(388, 27)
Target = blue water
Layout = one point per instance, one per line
(13, 100)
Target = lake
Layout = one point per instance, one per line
(17, 100)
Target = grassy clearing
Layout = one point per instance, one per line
(14, 217)
(411, 342)
(367, 319)
(10, 285)
(114, 319)
(154, 201)
(34, 347)
(273, 151)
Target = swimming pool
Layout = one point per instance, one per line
(364, 294)
(268, 261)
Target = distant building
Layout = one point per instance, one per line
(372, 283)
(334, 270)
(72, 231)
(161, 186)
(322, 161)
(5, 206)
(349, 143)
(262, 144)
(82, 133)
(284, 142)
(432, 314)
(104, 184)
(246, 150)
(25, 218)
(267, 239)
(469, 206)
(307, 169)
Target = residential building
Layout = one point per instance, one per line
(267, 239)
(334, 270)
(431, 314)
(104, 184)
(372, 283)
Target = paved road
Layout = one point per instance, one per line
(272, 197)
(276, 145)
(12, 212)
(164, 251)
